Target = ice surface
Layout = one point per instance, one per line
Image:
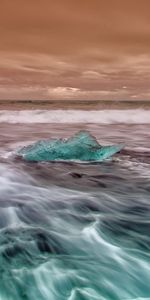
(82, 146)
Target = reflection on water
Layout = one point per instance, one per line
(75, 231)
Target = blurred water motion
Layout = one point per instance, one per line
(75, 231)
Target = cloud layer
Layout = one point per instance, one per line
(82, 48)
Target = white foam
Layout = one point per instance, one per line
(139, 149)
(141, 169)
(138, 116)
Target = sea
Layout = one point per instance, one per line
(73, 230)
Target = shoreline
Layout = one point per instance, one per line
(73, 104)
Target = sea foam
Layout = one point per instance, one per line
(136, 116)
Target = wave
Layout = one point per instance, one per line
(136, 116)
(59, 243)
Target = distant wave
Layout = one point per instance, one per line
(136, 116)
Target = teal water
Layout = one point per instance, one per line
(71, 231)
(82, 146)
(57, 243)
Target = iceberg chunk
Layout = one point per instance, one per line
(82, 146)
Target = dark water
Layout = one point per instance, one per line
(75, 231)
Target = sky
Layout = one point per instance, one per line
(78, 49)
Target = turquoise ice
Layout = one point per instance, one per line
(82, 146)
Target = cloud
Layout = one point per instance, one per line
(64, 91)
(82, 94)
(74, 77)
(89, 74)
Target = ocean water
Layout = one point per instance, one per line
(69, 230)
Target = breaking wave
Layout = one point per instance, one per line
(137, 116)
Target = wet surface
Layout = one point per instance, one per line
(75, 231)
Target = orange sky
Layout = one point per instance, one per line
(86, 45)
